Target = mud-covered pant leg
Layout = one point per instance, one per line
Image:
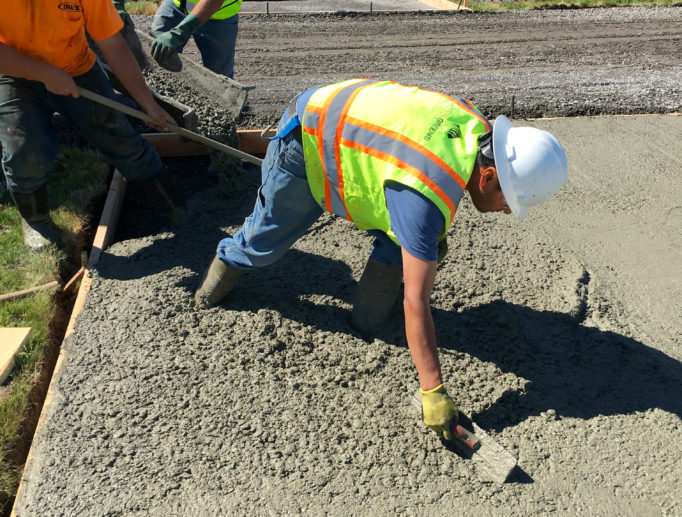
(216, 40)
(283, 212)
(107, 129)
(29, 143)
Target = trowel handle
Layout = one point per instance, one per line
(467, 437)
(106, 101)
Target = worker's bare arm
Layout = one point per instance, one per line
(419, 276)
(16, 64)
(206, 8)
(122, 62)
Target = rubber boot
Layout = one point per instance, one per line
(377, 291)
(219, 279)
(36, 223)
(160, 190)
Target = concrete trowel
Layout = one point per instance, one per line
(494, 463)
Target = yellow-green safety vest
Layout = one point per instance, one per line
(227, 10)
(359, 134)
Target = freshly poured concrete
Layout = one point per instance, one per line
(560, 335)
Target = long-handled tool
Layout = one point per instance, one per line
(106, 101)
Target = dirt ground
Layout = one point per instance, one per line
(560, 335)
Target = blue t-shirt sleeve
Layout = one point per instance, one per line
(415, 220)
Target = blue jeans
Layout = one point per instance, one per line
(30, 144)
(284, 210)
(216, 39)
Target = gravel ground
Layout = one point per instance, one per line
(560, 336)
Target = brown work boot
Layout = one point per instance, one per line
(377, 291)
(37, 226)
(160, 190)
(219, 279)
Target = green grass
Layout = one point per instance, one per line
(144, 7)
(79, 177)
(548, 4)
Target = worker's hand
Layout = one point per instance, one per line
(164, 46)
(58, 81)
(439, 412)
(158, 115)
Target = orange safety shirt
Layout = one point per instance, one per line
(53, 31)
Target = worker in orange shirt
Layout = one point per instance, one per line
(44, 59)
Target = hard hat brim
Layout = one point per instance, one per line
(505, 171)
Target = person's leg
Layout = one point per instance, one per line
(29, 148)
(29, 143)
(283, 212)
(378, 286)
(166, 17)
(110, 132)
(216, 40)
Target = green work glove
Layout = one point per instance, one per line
(439, 411)
(164, 46)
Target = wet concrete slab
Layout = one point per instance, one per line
(559, 335)
(303, 6)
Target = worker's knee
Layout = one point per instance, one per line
(27, 166)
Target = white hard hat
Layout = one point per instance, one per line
(531, 165)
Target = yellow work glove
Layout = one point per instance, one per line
(439, 411)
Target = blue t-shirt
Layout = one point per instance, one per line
(415, 220)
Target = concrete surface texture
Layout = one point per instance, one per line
(306, 6)
(560, 335)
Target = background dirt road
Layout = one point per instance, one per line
(560, 335)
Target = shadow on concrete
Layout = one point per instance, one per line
(575, 370)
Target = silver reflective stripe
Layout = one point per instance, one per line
(407, 154)
(331, 121)
(312, 120)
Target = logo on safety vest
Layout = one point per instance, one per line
(454, 132)
(65, 6)
(434, 127)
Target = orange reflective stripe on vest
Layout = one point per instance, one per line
(332, 127)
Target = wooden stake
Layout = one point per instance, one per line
(31, 290)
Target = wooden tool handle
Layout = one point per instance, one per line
(106, 101)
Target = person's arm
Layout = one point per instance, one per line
(16, 64)
(122, 62)
(206, 8)
(438, 409)
(419, 276)
(164, 46)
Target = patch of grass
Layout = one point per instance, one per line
(79, 177)
(562, 4)
(146, 7)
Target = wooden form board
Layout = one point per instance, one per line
(11, 341)
(109, 218)
(170, 145)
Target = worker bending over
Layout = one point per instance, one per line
(44, 58)
(394, 160)
(213, 24)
